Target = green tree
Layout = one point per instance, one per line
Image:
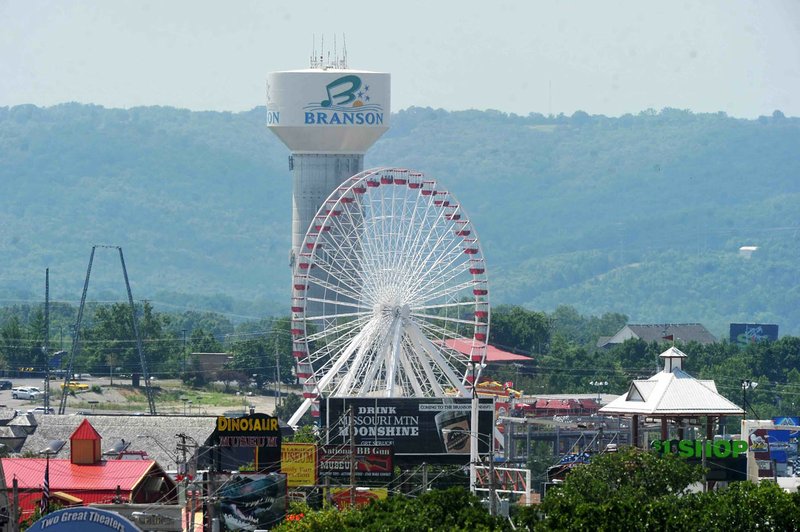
(204, 342)
(614, 486)
(15, 346)
(454, 509)
(517, 328)
(291, 402)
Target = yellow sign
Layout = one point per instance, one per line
(299, 462)
(247, 424)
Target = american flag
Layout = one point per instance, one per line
(44, 503)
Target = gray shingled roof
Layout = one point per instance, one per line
(655, 332)
(155, 435)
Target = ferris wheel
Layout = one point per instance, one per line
(389, 293)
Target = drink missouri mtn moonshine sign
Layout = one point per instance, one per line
(247, 442)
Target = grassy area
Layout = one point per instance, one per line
(135, 398)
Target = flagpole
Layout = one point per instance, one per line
(44, 506)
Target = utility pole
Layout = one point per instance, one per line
(473, 436)
(492, 492)
(184, 353)
(15, 505)
(46, 348)
(424, 477)
(278, 371)
(352, 458)
(6, 514)
(703, 454)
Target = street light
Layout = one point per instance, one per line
(747, 383)
(598, 385)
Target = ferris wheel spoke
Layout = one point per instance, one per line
(433, 382)
(343, 276)
(357, 366)
(465, 303)
(365, 313)
(408, 238)
(446, 264)
(393, 356)
(410, 372)
(442, 365)
(450, 291)
(337, 330)
(337, 365)
(443, 318)
(439, 333)
(430, 254)
(334, 288)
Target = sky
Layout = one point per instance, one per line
(612, 58)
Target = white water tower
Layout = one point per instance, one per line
(328, 116)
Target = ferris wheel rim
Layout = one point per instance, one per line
(467, 243)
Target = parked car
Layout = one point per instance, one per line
(42, 410)
(5, 385)
(76, 386)
(24, 393)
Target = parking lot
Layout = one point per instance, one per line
(6, 401)
(262, 403)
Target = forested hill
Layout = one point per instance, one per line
(642, 214)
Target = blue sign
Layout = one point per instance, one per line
(83, 519)
(750, 333)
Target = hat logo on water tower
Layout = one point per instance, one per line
(347, 102)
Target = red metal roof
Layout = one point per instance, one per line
(69, 477)
(493, 354)
(85, 431)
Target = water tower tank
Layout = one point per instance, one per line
(328, 118)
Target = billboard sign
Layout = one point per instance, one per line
(750, 333)
(252, 441)
(252, 501)
(166, 517)
(299, 462)
(432, 428)
(83, 519)
(758, 445)
(372, 461)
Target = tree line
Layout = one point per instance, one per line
(561, 346)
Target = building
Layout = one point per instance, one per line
(659, 332)
(674, 398)
(145, 437)
(211, 363)
(86, 477)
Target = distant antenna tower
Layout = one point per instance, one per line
(322, 60)
(134, 324)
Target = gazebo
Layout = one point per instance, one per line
(672, 395)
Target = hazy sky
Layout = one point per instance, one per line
(527, 56)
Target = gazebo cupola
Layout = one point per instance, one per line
(673, 359)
